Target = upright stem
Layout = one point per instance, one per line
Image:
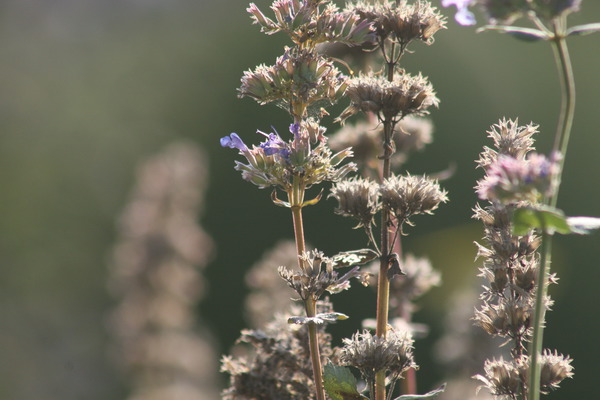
(567, 111)
(561, 143)
(383, 283)
(535, 349)
(296, 197)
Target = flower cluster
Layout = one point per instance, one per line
(511, 179)
(399, 21)
(276, 162)
(405, 196)
(516, 176)
(389, 100)
(299, 19)
(504, 378)
(370, 354)
(301, 82)
(317, 275)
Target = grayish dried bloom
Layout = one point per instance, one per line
(370, 354)
(357, 198)
(317, 275)
(510, 139)
(269, 294)
(155, 274)
(306, 24)
(510, 318)
(411, 134)
(503, 378)
(410, 195)
(401, 22)
(300, 81)
(555, 368)
(403, 96)
(276, 365)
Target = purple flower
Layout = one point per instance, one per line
(295, 129)
(274, 145)
(463, 15)
(233, 141)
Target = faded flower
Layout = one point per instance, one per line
(357, 198)
(403, 96)
(371, 354)
(401, 22)
(410, 195)
(510, 139)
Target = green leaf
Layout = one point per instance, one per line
(582, 30)
(524, 34)
(340, 384)
(354, 257)
(548, 219)
(583, 225)
(429, 395)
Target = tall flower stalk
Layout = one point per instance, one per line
(549, 19)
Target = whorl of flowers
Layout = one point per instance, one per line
(301, 81)
(389, 100)
(401, 22)
(306, 23)
(370, 354)
(509, 378)
(410, 195)
(275, 162)
(511, 179)
(357, 198)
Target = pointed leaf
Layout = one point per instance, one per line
(305, 320)
(313, 201)
(583, 225)
(332, 316)
(429, 395)
(525, 34)
(340, 384)
(582, 30)
(547, 218)
(354, 257)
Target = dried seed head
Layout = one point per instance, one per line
(411, 195)
(555, 368)
(393, 100)
(401, 22)
(357, 198)
(510, 139)
(502, 378)
(370, 354)
(510, 318)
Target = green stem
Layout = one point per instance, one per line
(296, 197)
(567, 111)
(561, 143)
(535, 349)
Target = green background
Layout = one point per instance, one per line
(90, 88)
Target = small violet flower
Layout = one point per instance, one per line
(233, 141)
(274, 145)
(463, 15)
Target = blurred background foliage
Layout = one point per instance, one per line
(89, 88)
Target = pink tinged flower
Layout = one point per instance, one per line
(463, 16)
(233, 141)
(510, 179)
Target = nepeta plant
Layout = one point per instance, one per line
(521, 189)
(519, 186)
